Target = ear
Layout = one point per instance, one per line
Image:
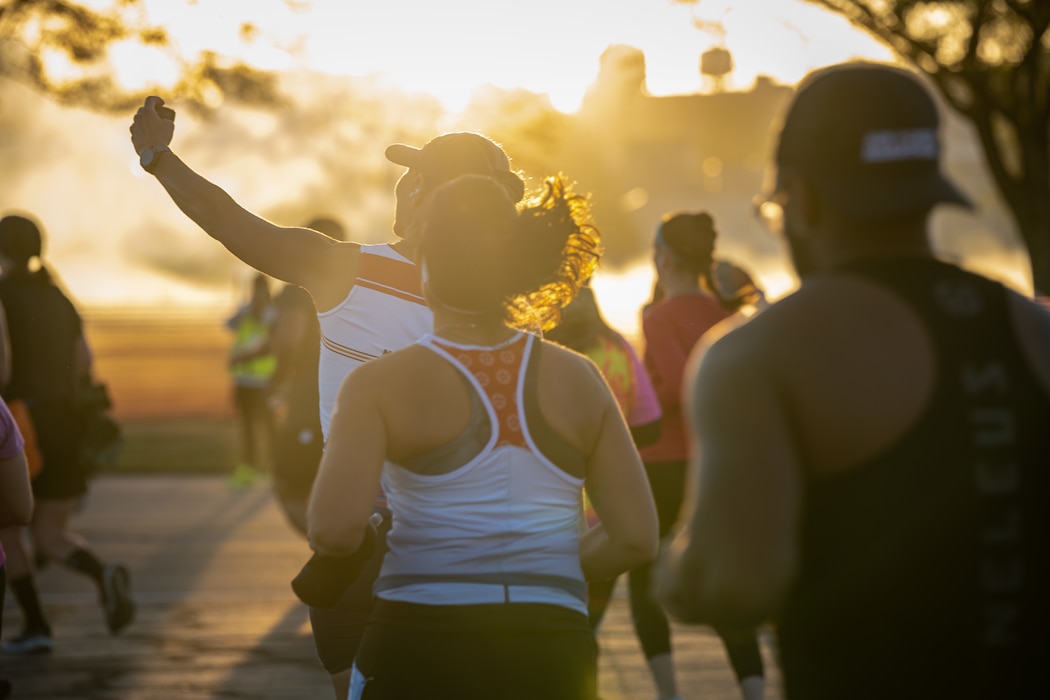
(412, 206)
(659, 258)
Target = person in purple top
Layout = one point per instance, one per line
(16, 498)
(50, 365)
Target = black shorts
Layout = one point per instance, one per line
(59, 434)
(517, 651)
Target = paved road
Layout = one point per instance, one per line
(217, 618)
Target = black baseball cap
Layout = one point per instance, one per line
(448, 156)
(865, 136)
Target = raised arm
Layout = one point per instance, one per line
(734, 554)
(324, 266)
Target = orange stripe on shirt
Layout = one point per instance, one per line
(346, 351)
(395, 277)
(368, 284)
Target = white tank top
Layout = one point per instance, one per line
(384, 311)
(502, 528)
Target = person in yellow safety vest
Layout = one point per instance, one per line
(252, 366)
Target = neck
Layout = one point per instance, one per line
(469, 327)
(681, 284)
(876, 246)
(407, 247)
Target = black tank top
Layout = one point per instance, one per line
(43, 327)
(924, 572)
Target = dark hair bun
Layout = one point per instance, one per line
(690, 236)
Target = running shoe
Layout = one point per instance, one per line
(32, 641)
(116, 598)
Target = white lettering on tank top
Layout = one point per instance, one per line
(992, 435)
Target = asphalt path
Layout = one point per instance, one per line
(216, 617)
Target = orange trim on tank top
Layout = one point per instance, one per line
(397, 278)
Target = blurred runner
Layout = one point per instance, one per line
(50, 362)
(899, 469)
(298, 443)
(368, 297)
(252, 366)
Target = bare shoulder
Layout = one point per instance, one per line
(383, 375)
(573, 395)
(802, 334)
(736, 350)
(334, 273)
(568, 367)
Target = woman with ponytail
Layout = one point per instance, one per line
(683, 254)
(50, 361)
(483, 436)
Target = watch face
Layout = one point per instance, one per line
(148, 156)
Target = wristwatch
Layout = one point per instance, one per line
(150, 156)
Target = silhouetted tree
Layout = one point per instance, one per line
(990, 60)
(34, 33)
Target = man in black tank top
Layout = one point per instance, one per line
(902, 477)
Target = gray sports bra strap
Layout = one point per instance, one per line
(553, 446)
(462, 448)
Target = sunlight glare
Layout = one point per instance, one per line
(136, 67)
(450, 49)
(621, 295)
(58, 66)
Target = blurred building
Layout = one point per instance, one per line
(712, 151)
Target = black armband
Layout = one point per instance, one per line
(324, 578)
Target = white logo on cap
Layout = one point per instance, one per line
(899, 144)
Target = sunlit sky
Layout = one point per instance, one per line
(451, 48)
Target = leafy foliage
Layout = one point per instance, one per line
(38, 35)
(990, 60)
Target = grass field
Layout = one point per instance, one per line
(162, 445)
(166, 373)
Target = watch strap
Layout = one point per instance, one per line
(150, 156)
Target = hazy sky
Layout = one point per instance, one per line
(448, 49)
(549, 46)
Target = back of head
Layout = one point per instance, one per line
(260, 283)
(734, 287)
(20, 239)
(690, 239)
(329, 227)
(451, 155)
(865, 137)
(483, 254)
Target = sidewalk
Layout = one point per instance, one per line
(217, 618)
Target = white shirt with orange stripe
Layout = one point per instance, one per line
(384, 311)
